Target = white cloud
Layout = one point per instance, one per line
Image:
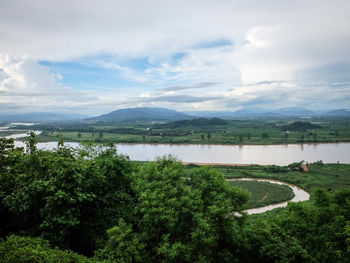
(24, 82)
(24, 75)
(272, 41)
(66, 29)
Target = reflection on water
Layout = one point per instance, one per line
(244, 154)
(230, 154)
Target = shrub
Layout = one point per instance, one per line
(18, 249)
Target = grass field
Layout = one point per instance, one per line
(264, 193)
(267, 131)
(327, 176)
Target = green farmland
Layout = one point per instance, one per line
(326, 176)
(264, 193)
(203, 131)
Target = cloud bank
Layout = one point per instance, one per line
(206, 55)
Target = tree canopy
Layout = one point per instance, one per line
(98, 203)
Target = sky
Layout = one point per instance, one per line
(92, 57)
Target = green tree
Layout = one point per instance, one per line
(32, 142)
(180, 216)
(322, 226)
(265, 135)
(70, 197)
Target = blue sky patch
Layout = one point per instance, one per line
(215, 44)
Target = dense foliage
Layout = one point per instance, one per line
(198, 122)
(299, 126)
(322, 228)
(96, 202)
(70, 197)
(16, 249)
(180, 216)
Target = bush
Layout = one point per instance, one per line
(69, 197)
(276, 169)
(180, 216)
(17, 249)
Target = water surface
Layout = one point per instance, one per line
(228, 154)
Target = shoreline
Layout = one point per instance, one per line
(300, 195)
(54, 139)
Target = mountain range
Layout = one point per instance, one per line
(142, 114)
(162, 114)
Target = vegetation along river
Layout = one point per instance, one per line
(229, 154)
(232, 154)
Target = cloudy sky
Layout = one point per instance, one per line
(93, 57)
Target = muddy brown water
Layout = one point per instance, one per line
(282, 154)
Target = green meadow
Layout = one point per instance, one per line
(204, 131)
(264, 193)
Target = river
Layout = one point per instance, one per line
(282, 154)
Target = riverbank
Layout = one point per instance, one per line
(179, 140)
(296, 194)
(270, 131)
(326, 176)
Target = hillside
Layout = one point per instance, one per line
(253, 112)
(142, 114)
(198, 122)
(338, 113)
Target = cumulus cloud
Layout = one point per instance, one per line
(235, 53)
(26, 84)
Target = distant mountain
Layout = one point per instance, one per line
(162, 114)
(197, 122)
(294, 111)
(142, 114)
(249, 112)
(40, 116)
(254, 112)
(339, 113)
(211, 114)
